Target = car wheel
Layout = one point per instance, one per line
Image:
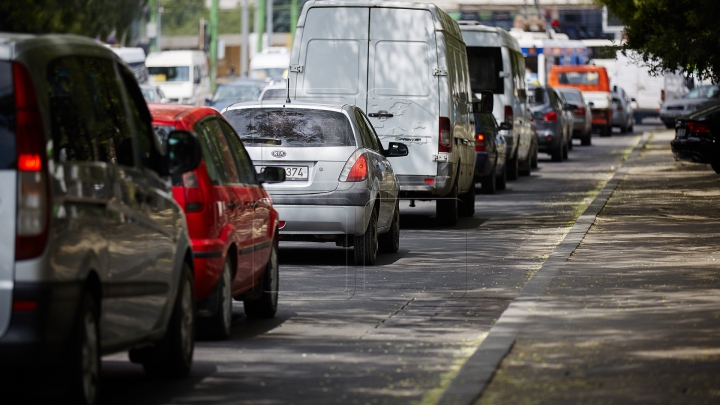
(716, 167)
(467, 208)
(85, 372)
(488, 184)
(218, 326)
(390, 241)
(366, 245)
(606, 130)
(512, 168)
(669, 125)
(266, 306)
(501, 180)
(446, 209)
(525, 166)
(565, 151)
(173, 355)
(570, 144)
(557, 153)
(586, 139)
(534, 161)
(623, 129)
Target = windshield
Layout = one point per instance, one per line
(704, 92)
(578, 78)
(291, 127)
(169, 74)
(236, 93)
(269, 73)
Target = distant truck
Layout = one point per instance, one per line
(181, 75)
(594, 83)
(271, 64)
(135, 59)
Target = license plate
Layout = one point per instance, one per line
(292, 173)
(680, 133)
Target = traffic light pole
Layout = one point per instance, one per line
(152, 5)
(260, 23)
(213, 42)
(293, 20)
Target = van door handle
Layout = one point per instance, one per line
(381, 114)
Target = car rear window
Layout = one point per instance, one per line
(485, 65)
(590, 78)
(571, 97)
(537, 96)
(291, 127)
(7, 117)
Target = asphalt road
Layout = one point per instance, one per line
(398, 332)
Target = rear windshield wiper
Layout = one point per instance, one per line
(267, 141)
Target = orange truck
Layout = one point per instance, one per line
(594, 84)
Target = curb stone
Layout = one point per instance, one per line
(470, 382)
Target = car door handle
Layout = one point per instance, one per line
(381, 114)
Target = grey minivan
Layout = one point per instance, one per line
(94, 253)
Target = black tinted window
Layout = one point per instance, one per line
(211, 154)
(368, 138)
(243, 161)
(87, 115)
(7, 117)
(291, 127)
(485, 65)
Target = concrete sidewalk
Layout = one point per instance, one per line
(633, 316)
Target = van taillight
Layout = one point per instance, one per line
(193, 193)
(445, 139)
(480, 143)
(509, 116)
(662, 96)
(33, 213)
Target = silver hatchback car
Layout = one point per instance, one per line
(95, 256)
(340, 186)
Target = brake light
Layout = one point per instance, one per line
(698, 128)
(550, 117)
(509, 115)
(33, 213)
(662, 95)
(445, 139)
(356, 168)
(580, 110)
(479, 143)
(24, 306)
(193, 193)
(281, 224)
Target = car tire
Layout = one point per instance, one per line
(266, 306)
(84, 374)
(534, 161)
(218, 326)
(586, 139)
(501, 180)
(624, 129)
(467, 200)
(390, 242)
(172, 356)
(669, 125)
(716, 167)
(446, 209)
(570, 144)
(488, 184)
(512, 168)
(565, 152)
(525, 166)
(631, 128)
(557, 153)
(606, 130)
(366, 245)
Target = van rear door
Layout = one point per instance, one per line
(402, 101)
(8, 199)
(332, 65)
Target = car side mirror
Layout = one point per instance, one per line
(396, 149)
(183, 152)
(505, 126)
(272, 175)
(633, 100)
(208, 101)
(570, 107)
(591, 104)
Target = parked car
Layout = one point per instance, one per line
(414, 85)
(153, 94)
(551, 121)
(341, 186)
(231, 220)
(697, 136)
(623, 111)
(582, 120)
(594, 84)
(96, 255)
(490, 165)
(697, 99)
(569, 119)
(496, 63)
(238, 91)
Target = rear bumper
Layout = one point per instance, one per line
(323, 220)
(41, 339)
(429, 187)
(695, 150)
(548, 145)
(602, 117)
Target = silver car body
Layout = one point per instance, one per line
(582, 122)
(322, 207)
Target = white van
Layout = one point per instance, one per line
(405, 65)
(270, 64)
(135, 59)
(496, 64)
(181, 75)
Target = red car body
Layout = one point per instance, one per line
(229, 214)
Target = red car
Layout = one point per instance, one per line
(230, 217)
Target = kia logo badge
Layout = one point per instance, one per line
(278, 153)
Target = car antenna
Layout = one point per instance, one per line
(287, 100)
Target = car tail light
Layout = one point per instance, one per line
(480, 143)
(550, 117)
(509, 115)
(445, 139)
(662, 95)
(619, 108)
(193, 193)
(356, 167)
(281, 224)
(698, 128)
(24, 306)
(580, 111)
(33, 205)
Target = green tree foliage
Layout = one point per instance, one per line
(93, 18)
(673, 34)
